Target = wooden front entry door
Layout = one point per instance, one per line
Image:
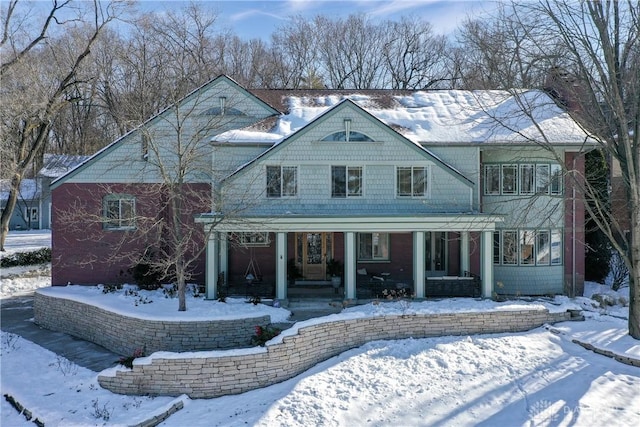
(313, 250)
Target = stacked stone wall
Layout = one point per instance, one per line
(237, 372)
(123, 334)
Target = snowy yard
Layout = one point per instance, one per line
(537, 377)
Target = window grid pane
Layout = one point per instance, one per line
(527, 179)
(509, 179)
(509, 247)
(527, 240)
(419, 182)
(542, 178)
(338, 181)
(543, 249)
(289, 181)
(355, 181)
(556, 179)
(492, 179)
(404, 181)
(273, 181)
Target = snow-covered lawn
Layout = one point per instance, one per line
(24, 279)
(26, 241)
(537, 377)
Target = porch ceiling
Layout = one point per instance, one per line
(336, 223)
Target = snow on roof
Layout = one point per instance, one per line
(56, 165)
(450, 116)
(29, 189)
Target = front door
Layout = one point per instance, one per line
(313, 250)
(436, 254)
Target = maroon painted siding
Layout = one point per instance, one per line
(574, 222)
(83, 252)
(400, 266)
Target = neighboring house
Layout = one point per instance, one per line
(33, 208)
(26, 215)
(414, 189)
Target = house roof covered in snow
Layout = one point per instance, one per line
(29, 189)
(427, 117)
(56, 165)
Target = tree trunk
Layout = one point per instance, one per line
(5, 218)
(634, 277)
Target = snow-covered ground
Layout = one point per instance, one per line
(24, 279)
(533, 378)
(25, 241)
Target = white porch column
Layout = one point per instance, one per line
(418, 263)
(212, 266)
(281, 266)
(350, 265)
(224, 255)
(465, 264)
(486, 263)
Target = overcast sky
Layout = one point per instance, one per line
(259, 19)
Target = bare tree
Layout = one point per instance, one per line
(26, 128)
(413, 55)
(600, 84)
(505, 52)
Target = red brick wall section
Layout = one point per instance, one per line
(83, 252)
(574, 222)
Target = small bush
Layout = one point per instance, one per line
(40, 256)
(128, 360)
(264, 334)
(143, 273)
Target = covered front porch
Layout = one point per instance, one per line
(354, 258)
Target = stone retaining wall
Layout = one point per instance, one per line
(225, 373)
(123, 334)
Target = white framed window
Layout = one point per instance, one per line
(373, 246)
(411, 181)
(543, 247)
(492, 179)
(523, 179)
(282, 181)
(347, 136)
(528, 247)
(509, 179)
(556, 247)
(555, 185)
(31, 214)
(510, 247)
(346, 181)
(119, 212)
(542, 178)
(527, 179)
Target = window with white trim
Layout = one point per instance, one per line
(31, 214)
(492, 179)
(411, 181)
(522, 179)
(282, 181)
(528, 247)
(373, 246)
(119, 212)
(346, 181)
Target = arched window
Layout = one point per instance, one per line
(352, 136)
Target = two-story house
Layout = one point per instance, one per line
(419, 190)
